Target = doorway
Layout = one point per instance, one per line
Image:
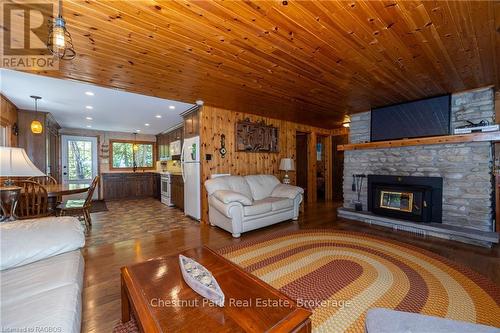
(79, 160)
(321, 168)
(338, 167)
(302, 160)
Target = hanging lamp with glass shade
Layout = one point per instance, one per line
(60, 43)
(36, 126)
(135, 146)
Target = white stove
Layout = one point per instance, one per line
(166, 188)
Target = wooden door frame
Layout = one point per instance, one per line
(308, 165)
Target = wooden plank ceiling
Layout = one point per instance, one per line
(306, 61)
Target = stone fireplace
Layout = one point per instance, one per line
(455, 178)
(418, 199)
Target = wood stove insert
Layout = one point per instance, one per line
(412, 198)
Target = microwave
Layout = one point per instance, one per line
(175, 148)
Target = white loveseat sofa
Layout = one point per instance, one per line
(41, 275)
(239, 204)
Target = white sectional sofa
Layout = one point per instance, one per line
(239, 204)
(41, 277)
(380, 320)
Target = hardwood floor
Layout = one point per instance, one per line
(136, 230)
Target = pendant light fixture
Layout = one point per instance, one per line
(135, 146)
(36, 126)
(60, 43)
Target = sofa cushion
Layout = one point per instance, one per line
(227, 196)
(26, 241)
(280, 203)
(261, 186)
(286, 191)
(258, 207)
(380, 320)
(230, 183)
(57, 309)
(41, 276)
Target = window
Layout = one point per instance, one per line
(3, 136)
(127, 154)
(79, 160)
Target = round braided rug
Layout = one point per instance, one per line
(340, 275)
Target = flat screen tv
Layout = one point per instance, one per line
(424, 117)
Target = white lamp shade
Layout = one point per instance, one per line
(287, 164)
(14, 162)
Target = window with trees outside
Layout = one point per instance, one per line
(130, 154)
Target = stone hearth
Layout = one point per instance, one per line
(466, 168)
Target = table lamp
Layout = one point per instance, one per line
(14, 162)
(286, 165)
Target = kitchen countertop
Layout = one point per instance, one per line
(127, 172)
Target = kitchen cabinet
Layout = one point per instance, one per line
(177, 188)
(164, 139)
(192, 124)
(42, 149)
(130, 185)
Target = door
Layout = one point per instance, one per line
(302, 156)
(79, 160)
(321, 175)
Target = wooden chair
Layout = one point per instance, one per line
(44, 180)
(33, 201)
(80, 208)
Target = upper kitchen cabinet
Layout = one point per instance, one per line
(165, 139)
(163, 146)
(191, 124)
(43, 148)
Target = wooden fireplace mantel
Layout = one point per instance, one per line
(433, 140)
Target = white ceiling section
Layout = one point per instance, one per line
(110, 110)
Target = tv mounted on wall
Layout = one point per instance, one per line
(424, 117)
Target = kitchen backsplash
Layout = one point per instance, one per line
(172, 166)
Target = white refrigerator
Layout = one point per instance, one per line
(190, 166)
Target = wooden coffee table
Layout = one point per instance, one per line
(155, 292)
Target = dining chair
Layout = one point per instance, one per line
(80, 207)
(33, 201)
(44, 180)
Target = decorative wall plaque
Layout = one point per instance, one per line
(256, 137)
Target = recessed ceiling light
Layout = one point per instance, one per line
(172, 107)
(137, 130)
(89, 93)
(89, 126)
(158, 116)
(146, 124)
(89, 107)
(88, 118)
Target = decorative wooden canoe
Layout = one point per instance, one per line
(201, 280)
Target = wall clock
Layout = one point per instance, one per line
(222, 149)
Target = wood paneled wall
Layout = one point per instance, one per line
(8, 117)
(216, 121)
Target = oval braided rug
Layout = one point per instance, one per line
(340, 275)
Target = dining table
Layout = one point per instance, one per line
(55, 191)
